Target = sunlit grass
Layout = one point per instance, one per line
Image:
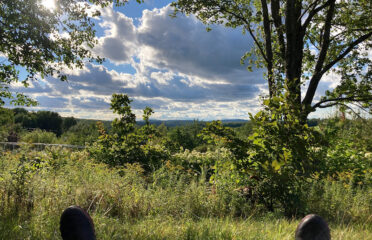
(126, 205)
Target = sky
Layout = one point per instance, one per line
(172, 65)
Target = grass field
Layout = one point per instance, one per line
(35, 187)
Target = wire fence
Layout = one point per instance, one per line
(37, 146)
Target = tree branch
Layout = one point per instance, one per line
(313, 12)
(329, 105)
(322, 56)
(269, 50)
(347, 51)
(360, 107)
(338, 100)
(310, 6)
(351, 109)
(248, 27)
(312, 41)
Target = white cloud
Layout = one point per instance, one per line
(181, 71)
(119, 43)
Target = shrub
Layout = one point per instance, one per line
(276, 161)
(39, 136)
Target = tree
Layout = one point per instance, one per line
(44, 41)
(67, 123)
(6, 121)
(49, 121)
(126, 143)
(120, 104)
(299, 42)
(81, 134)
(6, 117)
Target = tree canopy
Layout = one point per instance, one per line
(299, 42)
(44, 41)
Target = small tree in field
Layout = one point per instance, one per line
(127, 143)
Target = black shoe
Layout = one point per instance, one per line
(312, 227)
(76, 224)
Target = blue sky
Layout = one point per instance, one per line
(170, 64)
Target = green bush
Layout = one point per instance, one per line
(39, 136)
(81, 134)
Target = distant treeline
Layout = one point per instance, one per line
(44, 120)
(52, 121)
(18, 123)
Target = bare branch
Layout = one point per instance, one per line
(360, 107)
(351, 109)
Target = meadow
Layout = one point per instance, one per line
(168, 203)
(199, 181)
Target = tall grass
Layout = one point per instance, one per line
(126, 203)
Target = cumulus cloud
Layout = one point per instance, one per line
(183, 45)
(119, 42)
(181, 70)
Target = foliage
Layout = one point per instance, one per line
(6, 117)
(276, 161)
(39, 136)
(284, 156)
(216, 133)
(49, 121)
(127, 144)
(25, 118)
(348, 156)
(203, 165)
(81, 134)
(46, 120)
(67, 123)
(245, 130)
(186, 136)
(6, 121)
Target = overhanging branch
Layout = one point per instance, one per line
(339, 100)
(248, 27)
(347, 51)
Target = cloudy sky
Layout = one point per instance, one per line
(170, 64)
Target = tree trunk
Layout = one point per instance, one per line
(294, 53)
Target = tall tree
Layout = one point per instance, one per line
(49, 121)
(67, 123)
(44, 41)
(299, 42)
